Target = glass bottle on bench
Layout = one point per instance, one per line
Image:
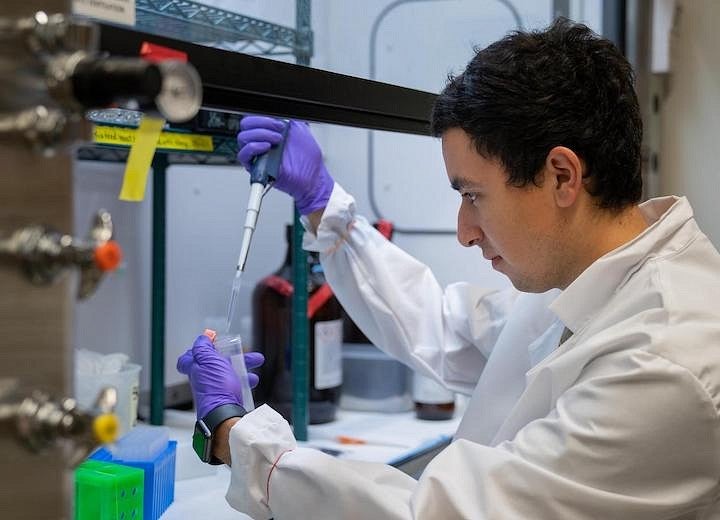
(272, 310)
(433, 402)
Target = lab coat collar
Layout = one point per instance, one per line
(590, 291)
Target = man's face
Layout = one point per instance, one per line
(518, 229)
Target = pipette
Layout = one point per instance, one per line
(263, 173)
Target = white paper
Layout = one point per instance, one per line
(328, 354)
(116, 11)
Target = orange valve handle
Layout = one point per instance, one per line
(107, 256)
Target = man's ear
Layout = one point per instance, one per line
(564, 173)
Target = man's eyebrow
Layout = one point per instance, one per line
(460, 183)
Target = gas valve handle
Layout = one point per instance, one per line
(45, 253)
(41, 422)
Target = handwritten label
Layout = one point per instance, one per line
(114, 135)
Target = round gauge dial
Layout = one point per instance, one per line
(180, 97)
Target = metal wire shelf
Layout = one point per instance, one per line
(221, 127)
(195, 22)
(223, 155)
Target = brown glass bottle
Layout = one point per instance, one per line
(432, 401)
(272, 305)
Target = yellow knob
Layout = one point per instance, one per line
(105, 428)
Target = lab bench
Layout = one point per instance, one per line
(397, 439)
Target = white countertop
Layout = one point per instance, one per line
(200, 488)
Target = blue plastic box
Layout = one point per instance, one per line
(159, 488)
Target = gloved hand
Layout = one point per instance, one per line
(302, 173)
(212, 378)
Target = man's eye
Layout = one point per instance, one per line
(470, 197)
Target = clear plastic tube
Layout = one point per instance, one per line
(231, 348)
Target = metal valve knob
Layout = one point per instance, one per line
(41, 422)
(45, 253)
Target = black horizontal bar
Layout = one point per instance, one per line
(243, 83)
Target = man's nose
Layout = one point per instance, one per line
(468, 233)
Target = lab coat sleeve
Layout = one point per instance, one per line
(397, 302)
(637, 437)
(272, 477)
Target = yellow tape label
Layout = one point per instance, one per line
(140, 158)
(114, 135)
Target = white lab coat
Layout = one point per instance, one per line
(619, 422)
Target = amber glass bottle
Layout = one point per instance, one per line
(433, 402)
(272, 305)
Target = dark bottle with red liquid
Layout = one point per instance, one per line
(272, 307)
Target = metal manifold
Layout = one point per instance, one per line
(51, 73)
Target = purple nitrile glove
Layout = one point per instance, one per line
(212, 378)
(302, 173)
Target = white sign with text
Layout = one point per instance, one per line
(116, 11)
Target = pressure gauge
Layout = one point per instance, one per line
(180, 96)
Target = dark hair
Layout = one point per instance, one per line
(564, 86)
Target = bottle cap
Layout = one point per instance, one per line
(107, 256)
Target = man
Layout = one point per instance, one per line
(595, 385)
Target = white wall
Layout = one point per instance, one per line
(690, 115)
(117, 317)
(206, 211)
(418, 44)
